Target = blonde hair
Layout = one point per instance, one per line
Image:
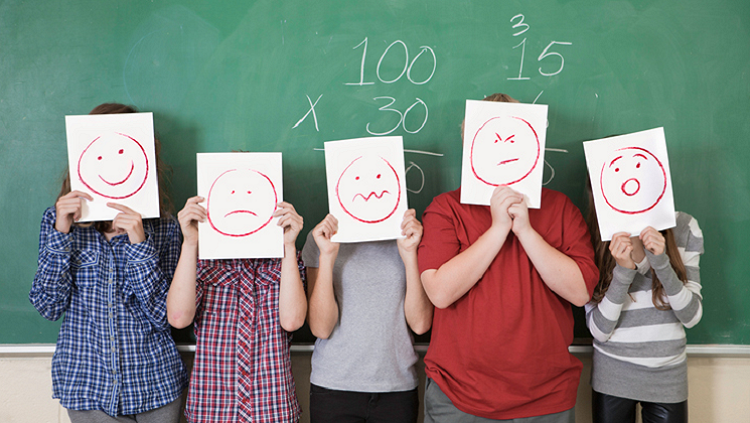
(498, 97)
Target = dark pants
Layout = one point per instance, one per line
(332, 406)
(611, 409)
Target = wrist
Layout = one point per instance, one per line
(327, 257)
(408, 256)
(524, 234)
(500, 228)
(62, 228)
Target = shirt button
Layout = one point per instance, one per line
(112, 338)
(109, 281)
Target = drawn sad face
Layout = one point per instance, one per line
(505, 150)
(369, 189)
(634, 181)
(241, 202)
(114, 166)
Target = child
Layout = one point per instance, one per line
(364, 297)
(649, 288)
(503, 279)
(115, 355)
(244, 311)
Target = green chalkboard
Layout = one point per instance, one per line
(275, 75)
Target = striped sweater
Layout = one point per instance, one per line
(639, 351)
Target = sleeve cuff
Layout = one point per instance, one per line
(58, 242)
(623, 275)
(660, 261)
(143, 251)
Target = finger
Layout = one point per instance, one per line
(332, 220)
(80, 194)
(190, 216)
(123, 208)
(194, 200)
(285, 205)
(408, 220)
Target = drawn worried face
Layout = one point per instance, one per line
(505, 150)
(369, 189)
(114, 166)
(633, 181)
(241, 202)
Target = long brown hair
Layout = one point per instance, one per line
(606, 263)
(163, 171)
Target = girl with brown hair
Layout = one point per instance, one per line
(115, 359)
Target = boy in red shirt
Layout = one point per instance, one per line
(502, 279)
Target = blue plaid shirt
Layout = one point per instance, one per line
(114, 352)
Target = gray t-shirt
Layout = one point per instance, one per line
(371, 348)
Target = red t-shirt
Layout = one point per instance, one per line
(501, 350)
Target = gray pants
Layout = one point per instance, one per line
(169, 413)
(438, 408)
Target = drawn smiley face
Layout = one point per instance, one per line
(241, 202)
(634, 181)
(504, 151)
(369, 189)
(114, 166)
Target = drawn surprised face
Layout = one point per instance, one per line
(369, 189)
(505, 150)
(241, 202)
(634, 181)
(114, 166)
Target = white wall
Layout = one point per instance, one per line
(719, 388)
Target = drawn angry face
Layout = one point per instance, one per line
(114, 166)
(633, 181)
(504, 151)
(369, 189)
(241, 202)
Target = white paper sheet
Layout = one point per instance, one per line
(503, 145)
(241, 192)
(631, 182)
(111, 157)
(366, 188)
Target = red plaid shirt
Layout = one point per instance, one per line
(242, 370)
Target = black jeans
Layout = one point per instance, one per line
(611, 409)
(332, 406)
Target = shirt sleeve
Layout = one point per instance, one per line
(602, 317)
(52, 286)
(684, 298)
(440, 242)
(150, 268)
(577, 244)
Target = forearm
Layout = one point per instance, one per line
(323, 311)
(147, 278)
(558, 271)
(686, 305)
(181, 296)
(52, 286)
(292, 299)
(417, 306)
(602, 318)
(458, 275)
